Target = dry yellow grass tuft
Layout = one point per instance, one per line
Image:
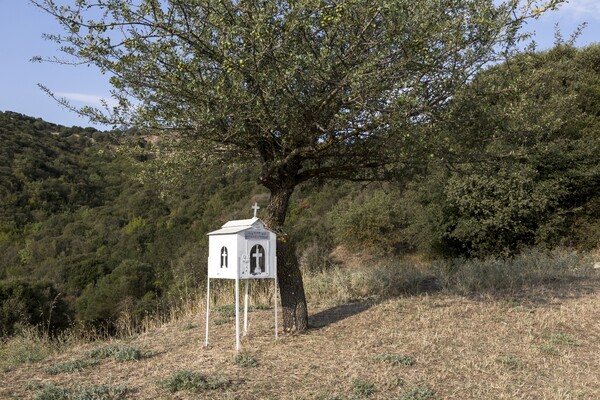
(542, 343)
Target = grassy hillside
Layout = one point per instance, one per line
(537, 341)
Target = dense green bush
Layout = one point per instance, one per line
(24, 303)
(374, 220)
(522, 147)
(74, 213)
(129, 287)
(499, 211)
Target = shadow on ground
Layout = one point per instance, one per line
(337, 313)
(540, 294)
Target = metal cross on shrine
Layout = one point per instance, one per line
(255, 207)
(224, 258)
(257, 257)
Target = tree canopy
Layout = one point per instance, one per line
(304, 88)
(309, 88)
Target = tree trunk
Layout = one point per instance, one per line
(289, 277)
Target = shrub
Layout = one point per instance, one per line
(315, 257)
(188, 326)
(418, 393)
(509, 361)
(362, 388)
(29, 346)
(530, 267)
(374, 221)
(226, 311)
(191, 381)
(370, 280)
(397, 277)
(245, 360)
(26, 303)
(70, 366)
(497, 212)
(396, 359)
(564, 339)
(129, 283)
(95, 392)
(120, 353)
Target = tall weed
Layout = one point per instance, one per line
(532, 267)
(372, 281)
(28, 346)
(354, 281)
(397, 277)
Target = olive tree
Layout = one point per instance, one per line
(305, 88)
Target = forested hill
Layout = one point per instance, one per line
(81, 235)
(46, 168)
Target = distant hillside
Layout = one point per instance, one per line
(80, 234)
(45, 168)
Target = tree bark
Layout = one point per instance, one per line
(289, 277)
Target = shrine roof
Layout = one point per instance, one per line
(227, 231)
(240, 225)
(243, 222)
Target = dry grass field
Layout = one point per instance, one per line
(538, 342)
(543, 343)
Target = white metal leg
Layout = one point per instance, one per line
(275, 297)
(237, 315)
(246, 309)
(207, 308)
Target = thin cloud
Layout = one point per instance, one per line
(90, 99)
(589, 9)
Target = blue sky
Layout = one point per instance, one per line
(22, 26)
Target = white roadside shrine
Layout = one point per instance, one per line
(241, 250)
